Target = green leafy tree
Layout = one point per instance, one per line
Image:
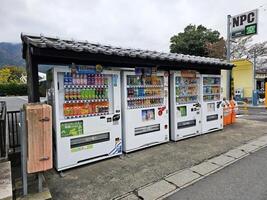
(195, 40)
(4, 75)
(11, 74)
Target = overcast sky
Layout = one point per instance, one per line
(146, 24)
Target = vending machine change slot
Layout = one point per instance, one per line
(146, 129)
(212, 117)
(92, 139)
(186, 124)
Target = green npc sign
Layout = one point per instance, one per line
(244, 24)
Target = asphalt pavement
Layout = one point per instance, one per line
(14, 103)
(258, 114)
(245, 180)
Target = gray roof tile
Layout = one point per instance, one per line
(79, 46)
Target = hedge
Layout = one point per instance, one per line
(14, 89)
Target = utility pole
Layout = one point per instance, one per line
(228, 72)
(254, 70)
(254, 92)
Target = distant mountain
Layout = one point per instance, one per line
(11, 54)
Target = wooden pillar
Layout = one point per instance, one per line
(32, 77)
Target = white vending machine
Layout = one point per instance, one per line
(211, 103)
(185, 107)
(145, 109)
(86, 114)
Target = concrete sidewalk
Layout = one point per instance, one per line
(115, 177)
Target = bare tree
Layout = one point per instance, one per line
(243, 48)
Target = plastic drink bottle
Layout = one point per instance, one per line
(106, 80)
(85, 79)
(66, 81)
(78, 94)
(106, 93)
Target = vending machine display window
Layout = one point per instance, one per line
(211, 88)
(144, 91)
(186, 89)
(87, 94)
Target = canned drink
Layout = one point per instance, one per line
(102, 80)
(66, 94)
(78, 94)
(78, 79)
(70, 94)
(88, 79)
(93, 79)
(73, 79)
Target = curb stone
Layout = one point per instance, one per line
(182, 178)
(156, 190)
(204, 168)
(222, 160)
(236, 153)
(130, 196)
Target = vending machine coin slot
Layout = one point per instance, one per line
(116, 117)
(218, 104)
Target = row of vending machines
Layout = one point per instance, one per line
(100, 114)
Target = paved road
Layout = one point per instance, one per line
(244, 180)
(15, 102)
(258, 114)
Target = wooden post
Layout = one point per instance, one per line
(32, 77)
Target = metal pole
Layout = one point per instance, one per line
(228, 72)
(40, 182)
(254, 70)
(23, 142)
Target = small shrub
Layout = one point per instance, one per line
(13, 89)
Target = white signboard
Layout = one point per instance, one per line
(244, 24)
